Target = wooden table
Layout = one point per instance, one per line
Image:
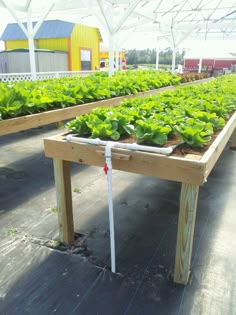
(191, 170)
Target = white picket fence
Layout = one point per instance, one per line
(14, 77)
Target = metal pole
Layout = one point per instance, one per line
(117, 52)
(117, 59)
(200, 64)
(173, 60)
(157, 57)
(31, 45)
(111, 54)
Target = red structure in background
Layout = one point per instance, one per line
(215, 64)
(123, 64)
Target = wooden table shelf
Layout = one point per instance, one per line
(191, 170)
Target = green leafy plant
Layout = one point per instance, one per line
(25, 98)
(12, 231)
(193, 112)
(195, 133)
(79, 125)
(77, 190)
(217, 122)
(151, 131)
(54, 209)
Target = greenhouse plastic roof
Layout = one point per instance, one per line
(49, 29)
(172, 19)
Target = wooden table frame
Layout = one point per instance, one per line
(191, 170)
(9, 126)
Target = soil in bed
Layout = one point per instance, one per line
(182, 149)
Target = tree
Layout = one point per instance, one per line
(132, 57)
(148, 56)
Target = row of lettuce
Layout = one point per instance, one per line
(25, 98)
(193, 113)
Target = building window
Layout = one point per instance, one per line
(85, 58)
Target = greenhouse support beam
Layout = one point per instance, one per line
(173, 60)
(108, 22)
(175, 40)
(127, 13)
(117, 59)
(112, 30)
(201, 53)
(14, 15)
(41, 19)
(30, 31)
(200, 64)
(31, 44)
(172, 41)
(157, 57)
(117, 52)
(140, 22)
(105, 15)
(111, 54)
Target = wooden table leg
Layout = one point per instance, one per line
(59, 124)
(186, 224)
(233, 144)
(64, 200)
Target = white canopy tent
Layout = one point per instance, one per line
(174, 20)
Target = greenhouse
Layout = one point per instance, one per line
(117, 185)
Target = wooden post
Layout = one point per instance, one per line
(233, 144)
(64, 200)
(187, 215)
(59, 124)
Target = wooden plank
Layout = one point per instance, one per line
(186, 224)
(116, 156)
(149, 164)
(233, 143)
(64, 200)
(193, 157)
(12, 125)
(212, 154)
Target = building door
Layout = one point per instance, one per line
(86, 58)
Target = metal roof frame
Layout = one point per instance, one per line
(174, 20)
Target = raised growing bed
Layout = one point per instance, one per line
(192, 170)
(12, 125)
(194, 115)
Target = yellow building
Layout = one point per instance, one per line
(105, 55)
(104, 58)
(81, 42)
